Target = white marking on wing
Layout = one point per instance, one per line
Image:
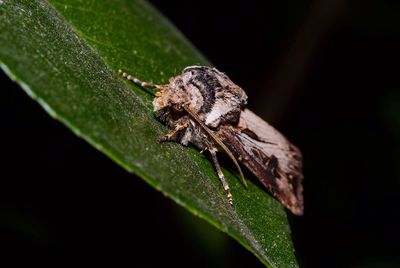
(219, 109)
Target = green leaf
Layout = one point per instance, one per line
(65, 55)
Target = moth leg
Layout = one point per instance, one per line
(213, 152)
(179, 126)
(137, 81)
(217, 140)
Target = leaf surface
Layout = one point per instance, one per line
(65, 55)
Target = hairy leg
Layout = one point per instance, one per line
(213, 152)
(180, 125)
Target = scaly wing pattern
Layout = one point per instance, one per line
(269, 156)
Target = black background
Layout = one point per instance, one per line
(326, 73)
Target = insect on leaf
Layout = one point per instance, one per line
(65, 55)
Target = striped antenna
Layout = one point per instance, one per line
(137, 81)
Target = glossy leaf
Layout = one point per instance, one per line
(65, 55)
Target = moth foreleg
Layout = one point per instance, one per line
(213, 152)
(178, 126)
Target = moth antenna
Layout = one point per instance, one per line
(139, 82)
(218, 141)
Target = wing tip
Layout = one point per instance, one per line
(297, 210)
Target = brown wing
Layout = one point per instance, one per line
(269, 156)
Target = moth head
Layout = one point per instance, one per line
(170, 97)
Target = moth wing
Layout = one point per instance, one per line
(269, 156)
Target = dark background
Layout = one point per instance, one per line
(326, 73)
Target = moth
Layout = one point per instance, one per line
(203, 107)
